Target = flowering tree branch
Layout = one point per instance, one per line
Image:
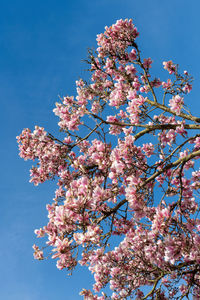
(127, 170)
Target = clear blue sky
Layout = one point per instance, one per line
(42, 44)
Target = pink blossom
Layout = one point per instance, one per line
(187, 88)
(167, 85)
(169, 66)
(147, 63)
(148, 149)
(38, 254)
(132, 54)
(176, 104)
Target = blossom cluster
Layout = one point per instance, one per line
(51, 156)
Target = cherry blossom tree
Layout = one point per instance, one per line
(127, 171)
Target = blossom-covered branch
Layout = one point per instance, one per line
(127, 171)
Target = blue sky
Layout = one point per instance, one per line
(42, 44)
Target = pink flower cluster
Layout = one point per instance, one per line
(51, 156)
(69, 114)
(134, 106)
(116, 38)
